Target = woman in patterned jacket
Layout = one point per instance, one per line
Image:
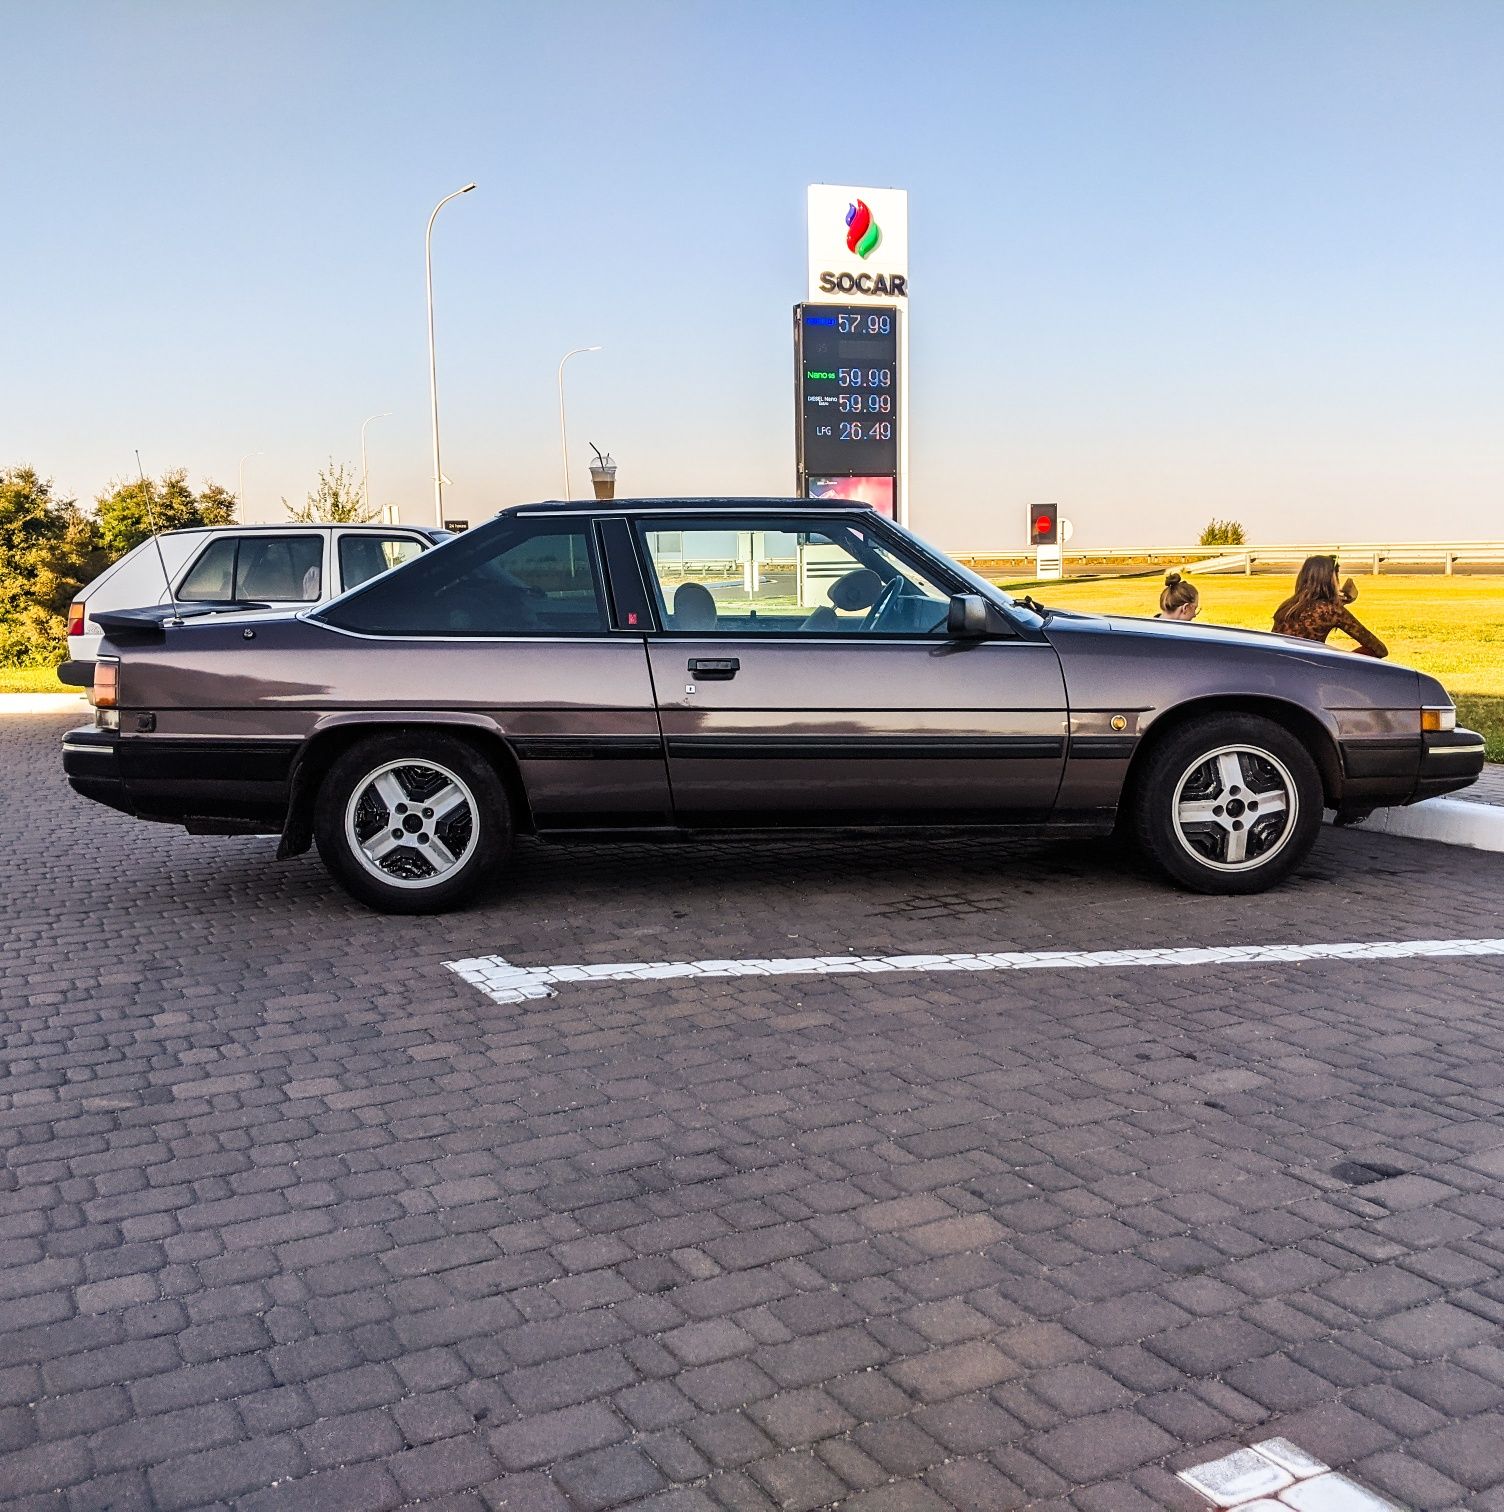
(1318, 606)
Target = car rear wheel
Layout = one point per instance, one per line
(1228, 804)
(412, 823)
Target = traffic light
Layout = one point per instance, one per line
(1044, 525)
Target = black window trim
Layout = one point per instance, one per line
(623, 570)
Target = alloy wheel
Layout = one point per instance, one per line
(1235, 808)
(411, 823)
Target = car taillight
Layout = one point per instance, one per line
(75, 618)
(106, 689)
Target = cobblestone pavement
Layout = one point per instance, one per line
(292, 1217)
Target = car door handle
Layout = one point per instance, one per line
(714, 669)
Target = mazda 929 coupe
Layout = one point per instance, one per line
(681, 667)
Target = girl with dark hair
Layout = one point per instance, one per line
(1318, 606)
(1178, 600)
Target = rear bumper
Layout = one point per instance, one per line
(1450, 760)
(77, 674)
(211, 786)
(92, 766)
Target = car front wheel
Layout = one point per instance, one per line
(1228, 804)
(412, 823)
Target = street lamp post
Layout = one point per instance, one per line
(563, 428)
(365, 472)
(240, 482)
(433, 370)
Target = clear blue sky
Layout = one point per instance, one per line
(1168, 260)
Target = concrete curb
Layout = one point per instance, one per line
(1447, 821)
(44, 703)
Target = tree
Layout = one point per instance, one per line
(336, 501)
(48, 549)
(1223, 533)
(133, 510)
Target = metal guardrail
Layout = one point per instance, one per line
(1235, 558)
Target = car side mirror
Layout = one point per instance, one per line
(967, 615)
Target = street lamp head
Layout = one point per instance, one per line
(467, 188)
(594, 349)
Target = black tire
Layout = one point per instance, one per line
(1188, 809)
(443, 858)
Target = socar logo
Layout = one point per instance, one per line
(862, 232)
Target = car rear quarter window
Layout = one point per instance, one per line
(517, 577)
(362, 557)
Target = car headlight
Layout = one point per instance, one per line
(1437, 717)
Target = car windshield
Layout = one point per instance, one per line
(990, 590)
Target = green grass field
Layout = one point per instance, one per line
(31, 680)
(1452, 628)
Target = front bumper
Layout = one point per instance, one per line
(1449, 760)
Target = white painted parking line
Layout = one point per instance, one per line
(1277, 1476)
(505, 982)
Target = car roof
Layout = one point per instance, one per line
(428, 530)
(679, 506)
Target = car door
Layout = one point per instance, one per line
(804, 675)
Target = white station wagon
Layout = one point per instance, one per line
(221, 569)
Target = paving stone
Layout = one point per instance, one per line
(953, 1370)
(800, 1417)
(1434, 1329)
(798, 1482)
(1104, 1444)
(1212, 1346)
(550, 1436)
(226, 1473)
(608, 1477)
(1472, 1453)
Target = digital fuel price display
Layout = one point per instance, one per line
(847, 366)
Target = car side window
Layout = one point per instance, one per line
(362, 557)
(516, 577)
(212, 577)
(282, 569)
(815, 577)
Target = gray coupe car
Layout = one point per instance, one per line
(676, 667)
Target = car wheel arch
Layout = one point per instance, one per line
(1313, 732)
(329, 742)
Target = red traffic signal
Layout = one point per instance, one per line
(1044, 525)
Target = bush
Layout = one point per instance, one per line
(1223, 533)
(126, 512)
(48, 550)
